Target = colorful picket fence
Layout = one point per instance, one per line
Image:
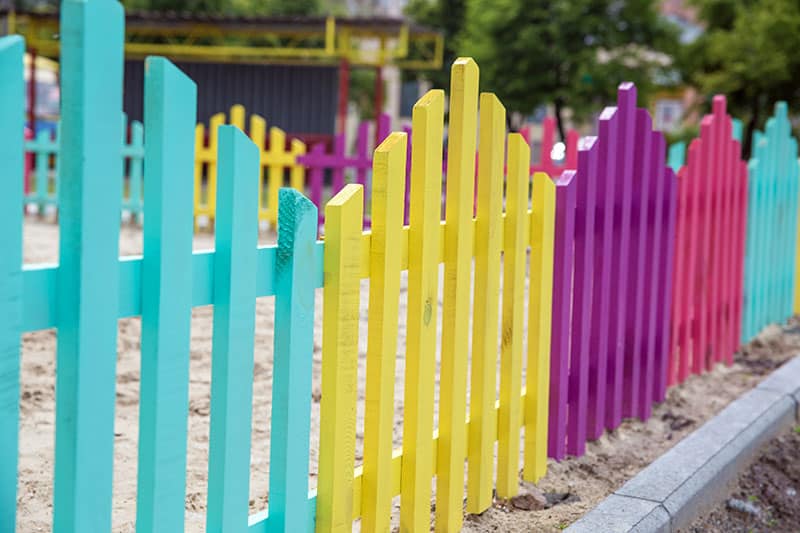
(546, 162)
(613, 255)
(773, 174)
(91, 288)
(275, 161)
(339, 163)
(712, 213)
(42, 171)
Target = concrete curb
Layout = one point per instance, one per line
(696, 473)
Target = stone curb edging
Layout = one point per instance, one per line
(695, 474)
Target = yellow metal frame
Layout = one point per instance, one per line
(257, 42)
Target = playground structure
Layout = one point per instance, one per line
(635, 278)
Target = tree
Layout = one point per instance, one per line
(573, 53)
(447, 16)
(749, 52)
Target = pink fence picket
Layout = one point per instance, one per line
(613, 259)
(709, 271)
(546, 163)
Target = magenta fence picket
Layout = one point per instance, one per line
(317, 161)
(611, 278)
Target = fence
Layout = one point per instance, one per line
(42, 170)
(635, 275)
(614, 231)
(712, 211)
(546, 163)
(772, 205)
(90, 288)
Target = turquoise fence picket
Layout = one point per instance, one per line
(676, 156)
(772, 222)
(12, 100)
(133, 154)
(234, 330)
(88, 278)
(170, 108)
(291, 375)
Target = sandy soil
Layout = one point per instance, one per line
(575, 485)
(766, 497)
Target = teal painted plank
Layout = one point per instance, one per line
(234, 328)
(92, 34)
(134, 200)
(676, 156)
(291, 376)
(12, 104)
(42, 172)
(170, 103)
(737, 129)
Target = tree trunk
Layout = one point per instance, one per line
(747, 140)
(559, 109)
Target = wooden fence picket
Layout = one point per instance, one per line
(92, 35)
(234, 327)
(337, 441)
(772, 207)
(291, 376)
(711, 218)
(12, 100)
(170, 107)
(458, 242)
(384, 296)
(488, 247)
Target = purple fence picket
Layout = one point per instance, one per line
(612, 273)
(562, 307)
(582, 295)
(603, 248)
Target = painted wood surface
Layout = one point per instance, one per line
(384, 297)
(291, 375)
(234, 328)
(486, 301)
(170, 108)
(88, 280)
(342, 269)
(711, 219)
(12, 100)
(771, 241)
(458, 241)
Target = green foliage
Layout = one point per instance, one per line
(749, 52)
(448, 16)
(241, 7)
(572, 53)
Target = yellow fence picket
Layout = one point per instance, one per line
(458, 270)
(341, 294)
(388, 200)
(542, 240)
(488, 247)
(514, 255)
(423, 295)
(275, 160)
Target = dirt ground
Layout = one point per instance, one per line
(572, 487)
(766, 497)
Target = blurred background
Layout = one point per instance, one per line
(316, 68)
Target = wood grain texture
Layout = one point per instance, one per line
(486, 294)
(293, 353)
(341, 268)
(12, 102)
(458, 242)
(388, 186)
(92, 35)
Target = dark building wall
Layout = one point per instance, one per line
(298, 99)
